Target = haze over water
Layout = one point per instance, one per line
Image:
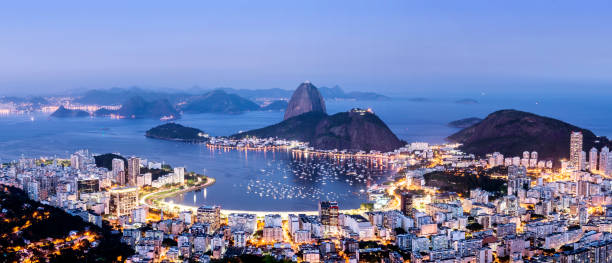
(238, 173)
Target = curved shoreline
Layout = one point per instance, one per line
(148, 200)
(194, 141)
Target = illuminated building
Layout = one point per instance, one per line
(120, 178)
(272, 234)
(133, 170)
(139, 214)
(117, 166)
(593, 159)
(75, 162)
(147, 178)
(328, 212)
(406, 204)
(604, 166)
(575, 149)
(210, 215)
(123, 200)
(88, 185)
(179, 172)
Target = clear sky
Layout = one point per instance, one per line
(386, 46)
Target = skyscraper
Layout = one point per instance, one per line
(179, 172)
(123, 200)
(593, 159)
(133, 170)
(406, 203)
(117, 165)
(75, 161)
(575, 149)
(210, 215)
(603, 160)
(120, 178)
(328, 212)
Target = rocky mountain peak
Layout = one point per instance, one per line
(306, 98)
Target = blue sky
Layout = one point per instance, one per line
(396, 47)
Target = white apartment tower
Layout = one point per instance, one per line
(604, 166)
(576, 149)
(133, 170)
(593, 159)
(117, 166)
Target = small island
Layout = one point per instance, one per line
(177, 132)
(62, 112)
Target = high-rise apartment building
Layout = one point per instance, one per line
(210, 215)
(328, 212)
(133, 170)
(604, 165)
(593, 159)
(123, 200)
(179, 172)
(575, 149)
(90, 185)
(120, 178)
(75, 161)
(406, 203)
(117, 165)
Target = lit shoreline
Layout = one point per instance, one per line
(148, 200)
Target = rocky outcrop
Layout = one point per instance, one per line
(511, 132)
(356, 130)
(306, 98)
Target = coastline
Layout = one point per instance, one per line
(176, 139)
(150, 197)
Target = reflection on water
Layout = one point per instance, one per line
(289, 181)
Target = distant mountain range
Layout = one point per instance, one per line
(218, 101)
(511, 132)
(142, 103)
(334, 93)
(116, 96)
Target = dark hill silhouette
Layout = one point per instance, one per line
(354, 130)
(511, 132)
(218, 101)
